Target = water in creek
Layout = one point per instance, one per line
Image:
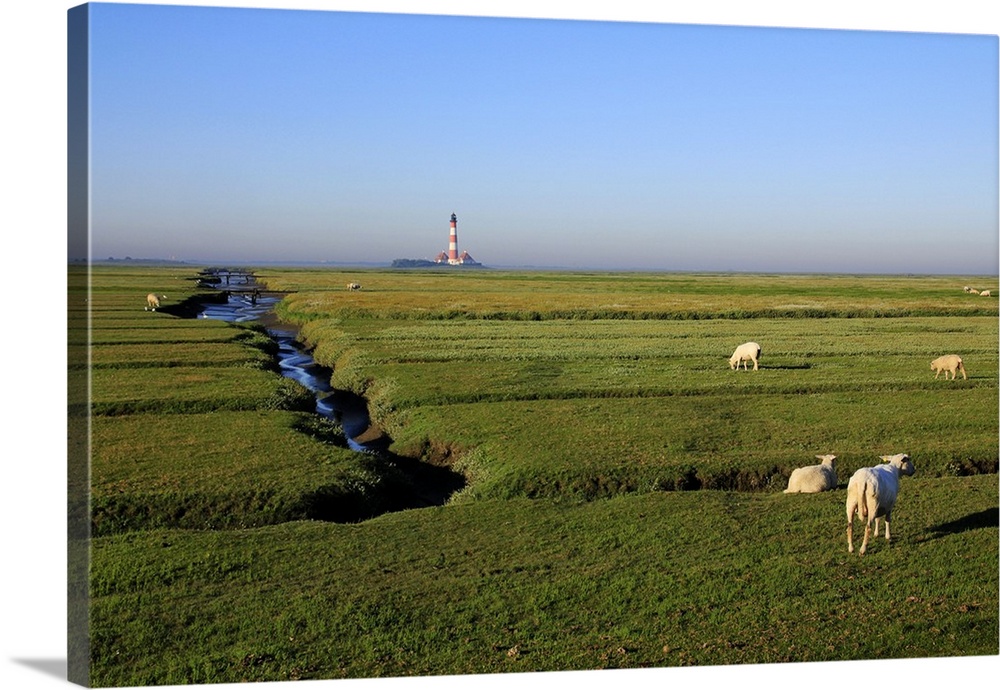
(346, 408)
(429, 484)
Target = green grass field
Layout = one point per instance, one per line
(623, 503)
(635, 404)
(658, 579)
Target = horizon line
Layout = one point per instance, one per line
(522, 267)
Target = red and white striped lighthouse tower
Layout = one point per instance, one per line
(453, 241)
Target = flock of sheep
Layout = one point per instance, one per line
(871, 491)
(974, 291)
(750, 352)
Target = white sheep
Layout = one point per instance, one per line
(744, 353)
(967, 289)
(974, 291)
(872, 492)
(948, 364)
(985, 293)
(354, 286)
(152, 301)
(814, 478)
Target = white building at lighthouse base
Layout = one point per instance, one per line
(463, 259)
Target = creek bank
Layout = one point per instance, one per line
(412, 483)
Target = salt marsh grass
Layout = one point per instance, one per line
(520, 295)
(623, 505)
(635, 403)
(657, 579)
(193, 426)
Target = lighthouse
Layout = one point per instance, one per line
(453, 241)
(452, 257)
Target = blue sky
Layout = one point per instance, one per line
(251, 135)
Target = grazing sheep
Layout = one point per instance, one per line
(152, 301)
(985, 293)
(872, 493)
(948, 363)
(354, 286)
(814, 478)
(974, 291)
(967, 289)
(744, 353)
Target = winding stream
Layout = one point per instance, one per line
(344, 407)
(428, 484)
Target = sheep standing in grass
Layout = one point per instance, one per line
(973, 291)
(985, 293)
(872, 493)
(948, 364)
(354, 286)
(152, 302)
(814, 478)
(744, 353)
